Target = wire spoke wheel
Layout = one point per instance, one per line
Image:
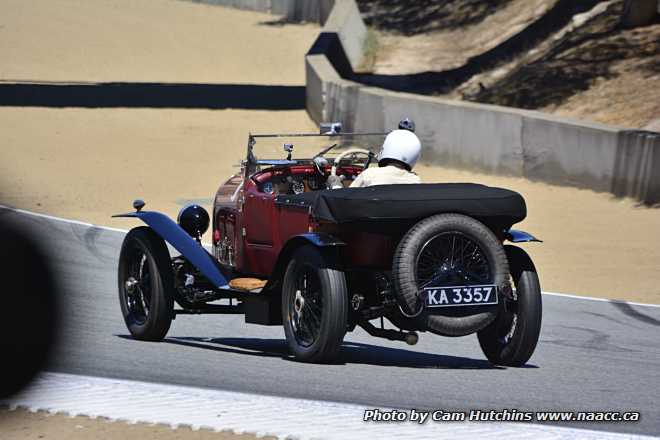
(508, 319)
(452, 259)
(138, 285)
(146, 284)
(314, 305)
(307, 307)
(511, 339)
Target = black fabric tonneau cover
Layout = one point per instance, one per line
(499, 206)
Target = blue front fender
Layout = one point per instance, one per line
(516, 236)
(182, 242)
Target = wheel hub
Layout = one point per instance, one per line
(451, 258)
(131, 285)
(298, 303)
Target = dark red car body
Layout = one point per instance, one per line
(250, 228)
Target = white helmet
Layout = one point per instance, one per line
(402, 145)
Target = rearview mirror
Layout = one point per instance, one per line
(289, 149)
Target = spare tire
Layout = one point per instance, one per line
(448, 250)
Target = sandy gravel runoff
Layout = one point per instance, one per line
(89, 163)
(147, 40)
(24, 425)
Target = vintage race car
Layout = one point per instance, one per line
(287, 251)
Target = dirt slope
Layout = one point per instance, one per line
(596, 70)
(418, 36)
(589, 68)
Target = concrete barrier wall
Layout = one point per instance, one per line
(316, 11)
(567, 153)
(319, 75)
(251, 5)
(637, 166)
(345, 21)
(480, 137)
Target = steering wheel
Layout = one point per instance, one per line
(348, 152)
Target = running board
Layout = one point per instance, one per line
(210, 309)
(258, 309)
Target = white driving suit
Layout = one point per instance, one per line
(388, 175)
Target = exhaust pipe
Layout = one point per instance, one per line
(410, 338)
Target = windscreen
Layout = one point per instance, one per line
(275, 147)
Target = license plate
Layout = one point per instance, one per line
(460, 295)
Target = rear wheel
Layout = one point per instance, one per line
(511, 339)
(146, 284)
(314, 305)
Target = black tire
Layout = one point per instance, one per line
(507, 344)
(314, 305)
(448, 321)
(147, 303)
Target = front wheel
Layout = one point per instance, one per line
(146, 284)
(314, 305)
(511, 339)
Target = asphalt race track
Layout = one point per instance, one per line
(593, 355)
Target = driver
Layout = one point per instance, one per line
(396, 160)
